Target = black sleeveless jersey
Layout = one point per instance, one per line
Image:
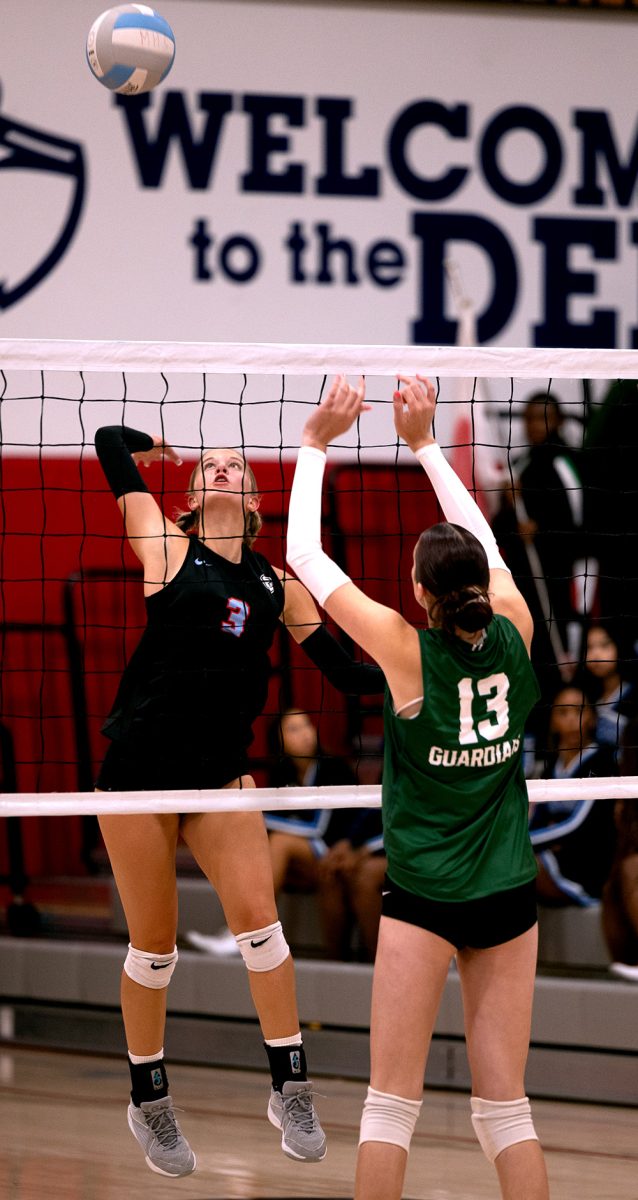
(199, 675)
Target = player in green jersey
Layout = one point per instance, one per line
(460, 866)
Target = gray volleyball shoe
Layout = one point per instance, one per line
(293, 1111)
(156, 1129)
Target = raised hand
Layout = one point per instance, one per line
(414, 406)
(336, 414)
(160, 450)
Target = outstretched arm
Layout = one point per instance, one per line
(120, 449)
(414, 406)
(379, 630)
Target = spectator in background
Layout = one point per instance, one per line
(620, 893)
(351, 876)
(574, 840)
(603, 681)
(611, 503)
(342, 849)
(336, 853)
(540, 528)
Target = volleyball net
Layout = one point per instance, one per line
(545, 440)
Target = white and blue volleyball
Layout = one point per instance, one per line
(130, 48)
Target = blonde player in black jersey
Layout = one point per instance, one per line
(182, 719)
(461, 871)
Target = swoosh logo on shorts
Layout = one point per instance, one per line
(262, 942)
(159, 966)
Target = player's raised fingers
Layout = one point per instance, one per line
(429, 386)
(172, 455)
(335, 388)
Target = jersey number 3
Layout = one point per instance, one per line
(496, 724)
(238, 613)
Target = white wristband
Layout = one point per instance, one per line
(457, 504)
(304, 554)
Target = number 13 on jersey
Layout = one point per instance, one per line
(494, 689)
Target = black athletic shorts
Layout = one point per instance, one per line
(471, 924)
(132, 767)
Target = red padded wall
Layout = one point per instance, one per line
(59, 519)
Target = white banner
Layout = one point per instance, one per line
(307, 173)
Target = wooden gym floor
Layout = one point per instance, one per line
(64, 1136)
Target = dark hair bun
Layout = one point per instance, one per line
(467, 609)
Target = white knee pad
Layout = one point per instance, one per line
(150, 970)
(263, 949)
(502, 1123)
(388, 1118)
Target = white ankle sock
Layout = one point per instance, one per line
(136, 1059)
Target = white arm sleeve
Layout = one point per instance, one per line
(456, 502)
(311, 565)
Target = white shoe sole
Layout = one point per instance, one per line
(170, 1174)
(624, 971)
(211, 944)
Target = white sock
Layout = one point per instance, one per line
(136, 1059)
(295, 1040)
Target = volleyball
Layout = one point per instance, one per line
(130, 48)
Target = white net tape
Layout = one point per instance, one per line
(64, 804)
(275, 358)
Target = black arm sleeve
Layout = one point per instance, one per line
(339, 668)
(114, 445)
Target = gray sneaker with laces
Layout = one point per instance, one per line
(161, 1139)
(292, 1111)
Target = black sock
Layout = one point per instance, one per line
(148, 1081)
(286, 1063)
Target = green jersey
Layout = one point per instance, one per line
(455, 807)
